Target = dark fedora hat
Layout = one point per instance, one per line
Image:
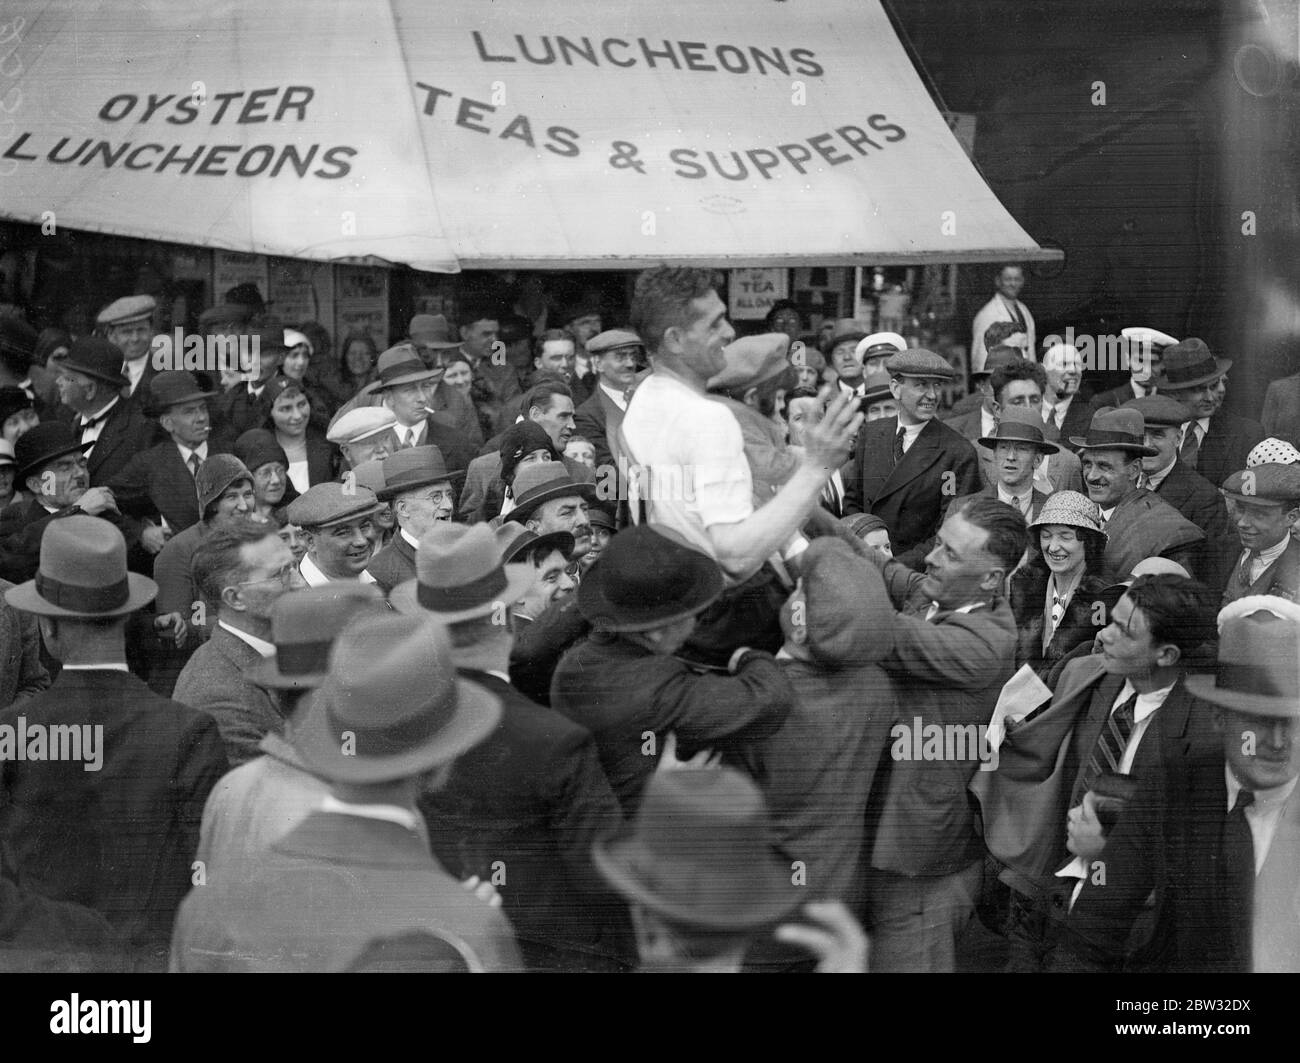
(1259, 665)
(172, 387)
(535, 484)
(1189, 364)
(96, 358)
(514, 539)
(40, 445)
(646, 580)
(412, 468)
(391, 705)
(1113, 429)
(82, 573)
(460, 574)
(1020, 426)
(701, 853)
(304, 625)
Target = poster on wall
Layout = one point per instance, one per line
(360, 304)
(751, 292)
(302, 291)
(233, 268)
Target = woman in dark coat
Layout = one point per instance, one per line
(311, 456)
(522, 444)
(1060, 596)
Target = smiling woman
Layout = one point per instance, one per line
(310, 454)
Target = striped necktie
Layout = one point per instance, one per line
(1111, 743)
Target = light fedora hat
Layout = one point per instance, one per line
(391, 705)
(400, 365)
(459, 575)
(1259, 665)
(82, 573)
(304, 625)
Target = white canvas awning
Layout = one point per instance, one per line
(453, 134)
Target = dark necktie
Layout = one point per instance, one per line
(1237, 870)
(1191, 447)
(898, 445)
(1111, 743)
(196, 463)
(1013, 305)
(1053, 420)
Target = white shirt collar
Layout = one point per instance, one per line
(311, 574)
(1019, 501)
(411, 539)
(969, 607)
(96, 668)
(615, 396)
(988, 423)
(100, 412)
(1155, 479)
(265, 649)
(1272, 796)
(1146, 703)
(403, 817)
(201, 450)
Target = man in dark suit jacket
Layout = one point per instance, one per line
(90, 383)
(614, 356)
(248, 403)
(245, 567)
(1032, 796)
(1066, 411)
(127, 324)
(1265, 505)
(911, 467)
(420, 489)
(159, 483)
(954, 648)
(1227, 888)
(118, 838)
(1215, 443)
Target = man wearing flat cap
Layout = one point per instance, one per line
(1215, 443)
(157, 485)
(911, 466)
(1182, 487)
(127, 324)
(113, 822)
(614, 356)
(1264, 504)
(337, 521)
(1138, 523)
(1216, 837)
(390, 719)
(91, 384)
(422, 493)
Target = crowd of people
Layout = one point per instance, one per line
(522, 647)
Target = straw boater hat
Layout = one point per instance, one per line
(96, 358)
(1112, 429)
(413, 468)
(701, 853)
(1072, 509)
(82, 574)
(514, 539)
(1259, 666)
(391, 706)
(1019, 425)
(460, 574)
(1189, 364)
(646, 580)
(304, 625)
(535, 484)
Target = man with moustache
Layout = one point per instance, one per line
(614, 356)
(548, 499)
(127, 324)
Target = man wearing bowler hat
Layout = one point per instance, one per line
(51, 464)
(1264, 504)
(90, 384)
(247, 404)
(389, 720)
(548, 499)
(422, 492)
(533, 794)
(127, 324)
(113, 824)
(157, 485)
(1217, 837)
(1182, 487)
(338, 522)
(1138, 523)
(1215, 443)
(260, 801)
(624, 684)
(910, 467)
(244, 568)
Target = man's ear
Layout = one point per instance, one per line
(751, 397)
(233, 598)
(993, 579)
(533, 525)
(1168, 655)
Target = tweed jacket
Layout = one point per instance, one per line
(1145, 525)
(1281, 578)
(119, 839)
(215, 680)
(21, 672)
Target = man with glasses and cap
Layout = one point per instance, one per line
(1215, 443)
(1264, 504)
(910, 467)
(245, 567)
(422, 493)
(338, 523)
(533, 794)
(90, 384)
(389, 721)
(1217, 837)
(120, 838)
(127, 324)
(1138, 523)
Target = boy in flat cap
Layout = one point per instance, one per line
(1264, 503)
